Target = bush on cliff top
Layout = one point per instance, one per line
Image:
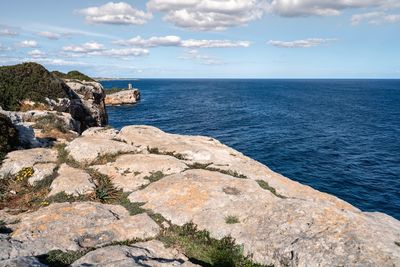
(8, 136)
(76, 75)
(29, 81)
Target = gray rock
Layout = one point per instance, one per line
(101, 132)
(16, 160)
(75, 226)
(275, 230)
(41, 171)
(87, 149)
(128, 172)
(151, 253)
(72, 181)
(22, 262)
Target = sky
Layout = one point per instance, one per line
(205, 38)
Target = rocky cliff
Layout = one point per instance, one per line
(140, 196)
(29, 86)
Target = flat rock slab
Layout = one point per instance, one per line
(19, 159)
(279, 231)
(101, 132)
(75, 226)
(151, 253)
(128, 172)
(22, 262)
(72, 181)
(206, 150)
(88, 148)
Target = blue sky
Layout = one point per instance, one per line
(205, 38)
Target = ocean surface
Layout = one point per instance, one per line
(338, 136)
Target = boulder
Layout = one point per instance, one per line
(41, 171)
(151, 253)
(19, 159)
(75, 226)
(87, 149)
(72, 181)
(275, 230)
(22, 262)
(129, 172)
(124, 97)
(101, 132)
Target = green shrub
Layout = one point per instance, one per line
(75, 75)
(58, 258)
(202, 249)
(8, 136)
(28, 81)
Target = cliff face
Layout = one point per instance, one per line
(148, 188)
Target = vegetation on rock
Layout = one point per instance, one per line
(202, 249)
(73, 75)
(8, 136)
(28, 81)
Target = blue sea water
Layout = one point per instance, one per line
(338, 136)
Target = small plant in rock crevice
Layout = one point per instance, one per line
(231, 219)
(264, 185)
(155, 150)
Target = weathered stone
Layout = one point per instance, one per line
(41, 171)
(19, 159)
(101, 132)
(129, 171)
(205, 150)
(72, 181)
(87, 149)
(22, 262)
(74, 226)
(275, 230)
(151, 253)
(88, 107)
(125, 97)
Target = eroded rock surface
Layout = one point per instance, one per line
(129, 172)
(75, 226)
(151, 253)
(87, 149)
(72, 181)
(125, 97)
(19, 159)
(41, 171)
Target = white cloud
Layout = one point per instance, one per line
(376, 18)
(4, 48)
(37, 54)
(49, 35)
(6, 31)
(201, 58)
(126, 52)
(192, 43)
(97, 49)
(115, 13)
(85, 48)
(295, 8)
(172, 40)
(306, 43)
(208, 15)
(28, 43)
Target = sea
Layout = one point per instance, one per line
(341, 137)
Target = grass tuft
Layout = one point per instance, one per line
(155, 150)
(231, 219)
(58, 258)
(264, 185)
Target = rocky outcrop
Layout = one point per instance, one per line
(171, 180)
(72, 181)
(88, 107)
(124, 97)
